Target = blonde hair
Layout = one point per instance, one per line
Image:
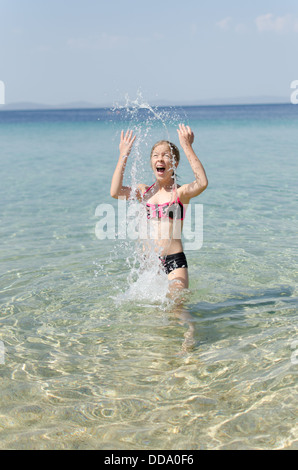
(173, 149)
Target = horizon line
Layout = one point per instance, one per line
(33, 106)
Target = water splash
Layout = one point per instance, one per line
(146, 281)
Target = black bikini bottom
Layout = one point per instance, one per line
(172, 262)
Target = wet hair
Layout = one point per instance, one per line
(173, 148)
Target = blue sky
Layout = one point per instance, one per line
(63, 51)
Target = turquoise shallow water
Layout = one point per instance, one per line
(91, 361)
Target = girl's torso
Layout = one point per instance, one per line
(165, 215)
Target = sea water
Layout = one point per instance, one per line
(94, 355)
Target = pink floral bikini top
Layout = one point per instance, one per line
(169, 210)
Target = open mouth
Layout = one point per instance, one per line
(160, 170)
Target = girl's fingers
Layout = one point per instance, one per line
(128, 136)
(184, 128)
(131, 138)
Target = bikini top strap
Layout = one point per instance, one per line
(148, 189)
(175, 194)
(176, 197)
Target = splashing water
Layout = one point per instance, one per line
(146, 281)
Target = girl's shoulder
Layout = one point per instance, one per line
(142, 189)
(180, 192)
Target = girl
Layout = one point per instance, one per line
(165, 201)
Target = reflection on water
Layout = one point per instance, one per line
(191, 375)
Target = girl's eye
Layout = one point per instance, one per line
(165, 156)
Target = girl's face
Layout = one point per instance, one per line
(163, 162)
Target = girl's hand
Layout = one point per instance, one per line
(186, 136)
(126, 143)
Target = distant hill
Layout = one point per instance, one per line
(227, 101)
(27, 106)
(210, 102)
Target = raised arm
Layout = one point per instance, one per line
(188, 191)
(125, 146)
